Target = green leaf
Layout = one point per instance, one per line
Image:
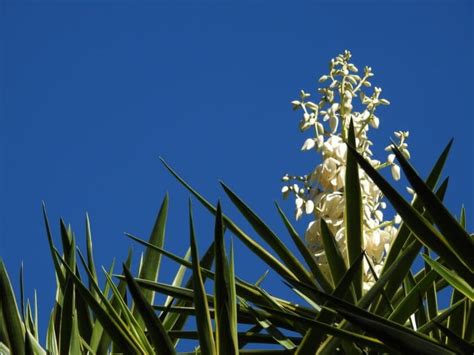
(226, 324)
(59, 272)
(431, 299)
(4, 349)
(203, 319)
(431, 181)
(244, 337)
(67, 310)
(396, 336)
(132, 322)
(256, 248)
(353, 211)
(51, 341)
(177, 322)
(456, 237)
(332, 330)
(404, 269)
(454, 280)
(468, 333)
(90, 256)
(314, 336)
(336, 262)
(270, 328)
(269, 236)
(244, 289)
(22, 294)
(177, 281)
(410, 303)
(69, 245)
(75, 343)
(420, 227)
(456, 341)
(157, 333)
(329, 344)
(305, 253)
(33, 345)
(109, 319)
(429, 326)
(456, 320)
(151, 261)
(10, 315)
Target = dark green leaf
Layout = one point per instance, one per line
(353, 218)
(454, 280)
(151, 261)
(308, 257)
(420, 227)
(225, 319)
(456, 341)
(10, 315)
(203, 319)
(157, 333)
(457, 238)
(269, 236)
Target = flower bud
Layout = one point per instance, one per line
(299, 202)
(296, 104)
(309, 207)
(395, 172)
(308, 144)
(323, 78)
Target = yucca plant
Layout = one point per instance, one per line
(358, 297)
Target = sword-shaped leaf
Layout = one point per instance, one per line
(151, 261)
(453, 233)
(453, 279)
(305, 253)
(203, 319)
(10, 315)
(156, 332)
(353, 219)
(269, 237)
(256, 248)
(226, 319)
(418, 224)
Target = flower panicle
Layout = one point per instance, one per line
(344, 97)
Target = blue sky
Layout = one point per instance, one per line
(93, 92)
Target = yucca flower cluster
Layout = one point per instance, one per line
(321, 192)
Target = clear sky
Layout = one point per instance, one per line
(92, 92)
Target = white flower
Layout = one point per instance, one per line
(308, 144)
(374, 121)
(379, 215)
(298, 214)
(309, 207)
(320, 141)
(395, 172)
(336, 148)
(299, 202)
(326, 173)
(285, 191)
